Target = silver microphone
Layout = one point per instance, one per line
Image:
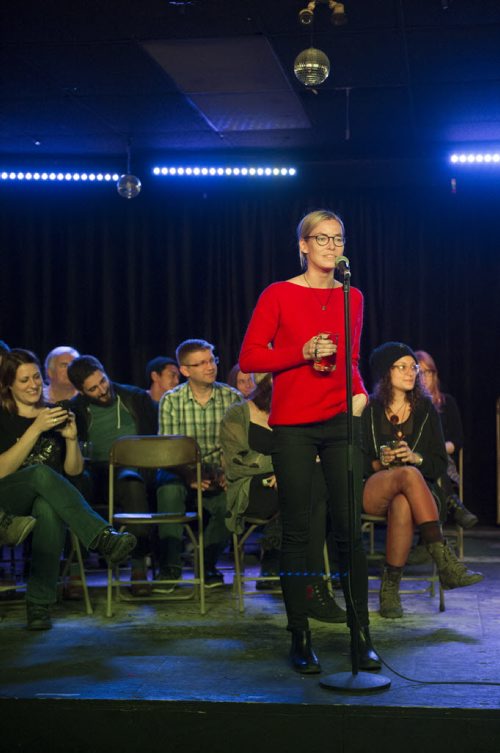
(342, 264)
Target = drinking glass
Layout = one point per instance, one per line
(326, 364)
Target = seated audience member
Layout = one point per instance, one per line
(104, 412)
(57, 386)
(195, 408)
(244, 383)
(405, 454)
(453, 437)
(162, 374)
(37, 445)
(13, 529)
(246, 441)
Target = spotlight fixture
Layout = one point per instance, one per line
(306, 15)
(339, 17)
(311, 67)
(128, 186)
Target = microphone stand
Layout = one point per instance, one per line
(354, 681)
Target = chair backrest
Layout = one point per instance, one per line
(153, 451)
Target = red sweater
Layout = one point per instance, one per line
(285, 318)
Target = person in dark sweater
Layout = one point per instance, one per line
(104, 412)
(404, 456)
(451, 422)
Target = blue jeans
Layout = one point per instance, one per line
(55, 503)
(294, 460)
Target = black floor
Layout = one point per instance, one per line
(160, 676)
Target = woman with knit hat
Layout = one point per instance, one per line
(405, 454)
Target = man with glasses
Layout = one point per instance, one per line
(195, 408)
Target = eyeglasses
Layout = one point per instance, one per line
(322, 240)
(426, 372)
(404, 367)
(207, 362)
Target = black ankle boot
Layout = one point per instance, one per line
(368, 658)
(302, 656)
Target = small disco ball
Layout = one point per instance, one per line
(311, 67)
(128, 186)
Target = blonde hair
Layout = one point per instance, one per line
(308, 223)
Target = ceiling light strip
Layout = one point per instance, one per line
(57, 177)
(475, 158)
(223, 172)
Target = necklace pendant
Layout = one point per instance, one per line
(323, 308)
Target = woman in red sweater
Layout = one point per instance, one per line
(294, 326)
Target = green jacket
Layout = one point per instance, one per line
(241, 463)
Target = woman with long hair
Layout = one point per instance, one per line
(38, 444)
(405, 455)
(451, 422)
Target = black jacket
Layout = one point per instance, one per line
(424, 435)
(142, 408)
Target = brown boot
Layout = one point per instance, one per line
(452, 572)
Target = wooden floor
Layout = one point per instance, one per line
(159, 676)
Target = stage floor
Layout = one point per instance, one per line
(168, 652)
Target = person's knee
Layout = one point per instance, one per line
(41, 477)
(171, 497)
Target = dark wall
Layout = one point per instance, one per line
(128, 280)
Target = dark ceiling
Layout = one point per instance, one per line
(81, 78)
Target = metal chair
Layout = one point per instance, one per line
(368, 523)
(239, 540)
(453, 532)
(76, 551)
(173, 452)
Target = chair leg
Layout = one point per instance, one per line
(109, 593)
(83, 578)
(238, 557)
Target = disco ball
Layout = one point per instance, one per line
(311, 67)
(128, 186)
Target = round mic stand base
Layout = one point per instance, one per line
(361, 683)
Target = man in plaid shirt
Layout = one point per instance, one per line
(195, 408)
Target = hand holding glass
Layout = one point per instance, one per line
(327, 363)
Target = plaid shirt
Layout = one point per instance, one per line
(180, 413)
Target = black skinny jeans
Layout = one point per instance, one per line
(294, 459)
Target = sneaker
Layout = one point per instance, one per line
(322, 606)
(38, 616)
(140, 588)
(173, 573)
(459, 513)
(213, 578)
(115, 546)
(15, 528)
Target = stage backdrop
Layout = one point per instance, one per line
(128, 280)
